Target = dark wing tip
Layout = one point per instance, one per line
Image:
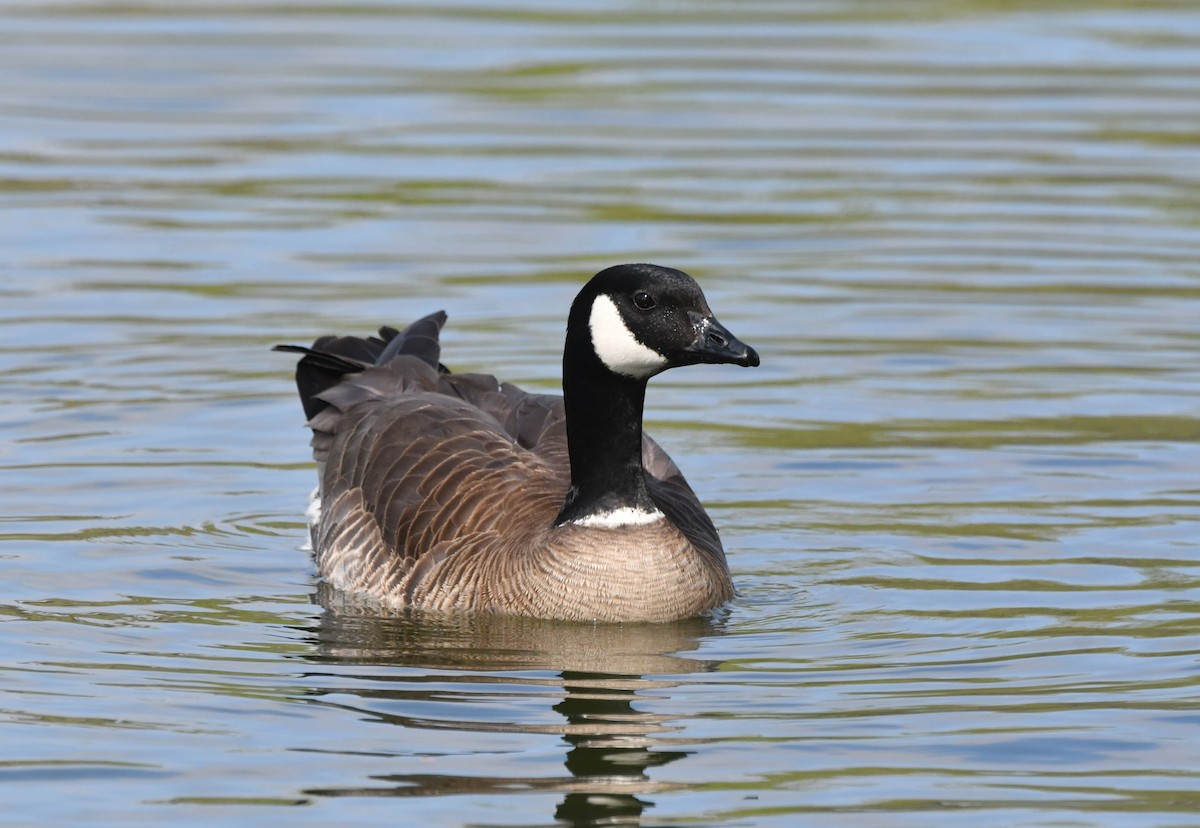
(420, 339)
(330, 357)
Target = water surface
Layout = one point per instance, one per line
(960, 496)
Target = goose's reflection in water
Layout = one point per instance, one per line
(596, 674)
(610, 750)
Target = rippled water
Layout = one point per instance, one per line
(960, 498)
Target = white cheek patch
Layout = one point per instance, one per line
(616, 345)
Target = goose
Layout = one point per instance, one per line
(452, 491)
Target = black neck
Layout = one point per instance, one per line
(604, 437)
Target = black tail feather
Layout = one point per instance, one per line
(332, 357)
(324, 359)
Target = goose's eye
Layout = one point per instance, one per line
(643, 300)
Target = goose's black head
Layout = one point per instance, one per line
(638, 320)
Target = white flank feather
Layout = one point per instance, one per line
(313, 512)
